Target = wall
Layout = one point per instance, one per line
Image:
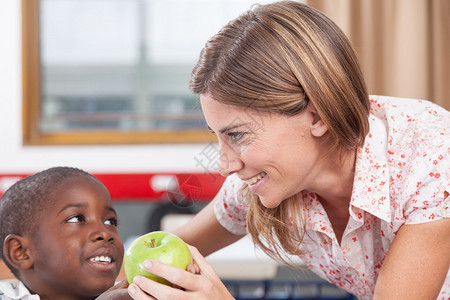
(16, 158)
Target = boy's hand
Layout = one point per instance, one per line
(120, 292)
(117, 292)
(193, 268)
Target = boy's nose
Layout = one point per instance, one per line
(101, 233)
(106, 237)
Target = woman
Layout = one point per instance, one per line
(356, 186)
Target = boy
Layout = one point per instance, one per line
(59, 234)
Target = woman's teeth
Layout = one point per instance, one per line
(101, 259)
(255, 179)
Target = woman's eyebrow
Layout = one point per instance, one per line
(229, 127)
(233, 126)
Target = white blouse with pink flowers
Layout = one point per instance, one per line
(401, 174)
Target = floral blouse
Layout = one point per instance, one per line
(401, 176)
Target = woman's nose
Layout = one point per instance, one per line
(229, 161)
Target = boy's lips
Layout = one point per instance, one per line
(103, 259)
(103, 263)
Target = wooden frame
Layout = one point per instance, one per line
(32, 101)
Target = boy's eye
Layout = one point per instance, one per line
(111, 221)
(75, 219)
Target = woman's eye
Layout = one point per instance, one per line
(75, 219)
(236, 136)
(112, 221)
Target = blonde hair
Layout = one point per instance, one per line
(278, 57)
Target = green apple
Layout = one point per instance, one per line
(158, 245)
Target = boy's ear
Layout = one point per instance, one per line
(318, 126)
(16, 252)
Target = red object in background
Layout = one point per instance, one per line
(153, 187)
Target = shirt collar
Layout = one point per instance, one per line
(16, 290)
(371, 182)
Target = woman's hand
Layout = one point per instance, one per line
(201, 282)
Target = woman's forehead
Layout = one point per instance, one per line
(222, 117)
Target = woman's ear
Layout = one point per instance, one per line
(318, 126)
(16, 252)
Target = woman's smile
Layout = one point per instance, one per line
(252, 181)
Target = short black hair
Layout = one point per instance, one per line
(22, 203)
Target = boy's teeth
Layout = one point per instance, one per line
(101, 259)
(255, 179)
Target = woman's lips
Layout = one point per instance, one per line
(255, 179)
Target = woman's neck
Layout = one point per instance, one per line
(334, 182)
(335, 189)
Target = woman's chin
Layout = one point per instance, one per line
(269, 202)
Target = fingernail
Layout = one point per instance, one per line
(131, 290)
(147, 264)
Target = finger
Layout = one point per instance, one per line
(136, 293)
(174, 275)
(158, 290)
(201, 262)
(193, 268)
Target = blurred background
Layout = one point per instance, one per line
(102, 85)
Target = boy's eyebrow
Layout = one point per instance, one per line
(71, 205)
(110, 208)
